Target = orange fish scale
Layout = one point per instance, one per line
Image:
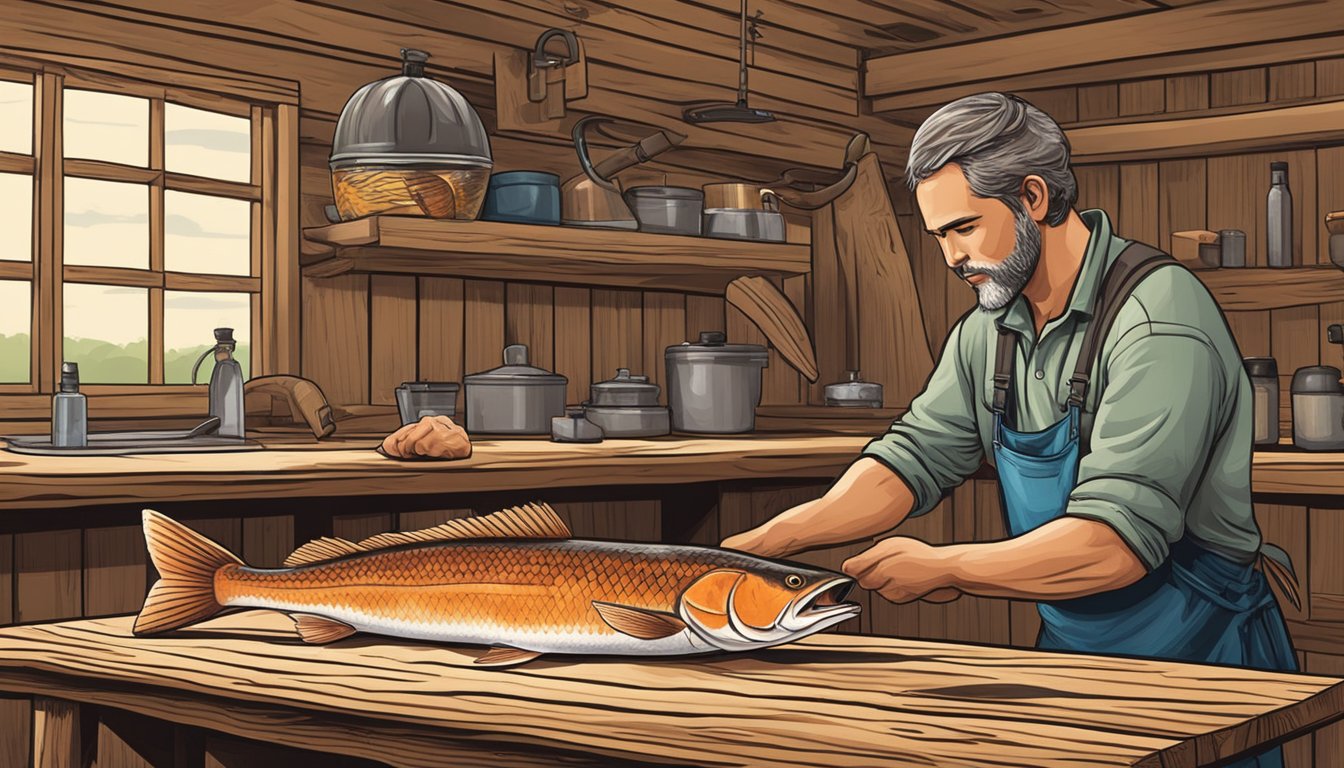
(535, 585)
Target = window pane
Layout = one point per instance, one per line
(16, 117)
(16, 306)
(106, 223)
(206, 234)
(205, 143)
(189, 322)
(16, 217)
(106, 327)
(106, 126)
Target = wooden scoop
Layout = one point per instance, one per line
(777, 318)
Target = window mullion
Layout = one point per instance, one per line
(48, 184)
(156, 239)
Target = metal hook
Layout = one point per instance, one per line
(543, 60)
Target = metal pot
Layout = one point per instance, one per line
(523, 197)
(1318, 408)
(713, 386)
(742, 224)
(671, 210)
(627, 406)
(516, 398)
(742, 196)
(426, 398)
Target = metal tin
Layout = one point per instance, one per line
(416, 399)
(854, 393)
(630, 420)
(713, 386)
(524, 197)
(624, 390)
(735, 224)
(515, 398)
(1264, 375)
(1318, 408)
(670, 210)
(1232, 244)
(409, 119)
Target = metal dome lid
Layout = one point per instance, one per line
(409, 119)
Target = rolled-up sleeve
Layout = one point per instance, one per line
(935, 445)
(1154, 426)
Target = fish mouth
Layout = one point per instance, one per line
(827, 601)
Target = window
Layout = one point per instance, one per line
(133, 235)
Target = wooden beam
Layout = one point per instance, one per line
(182, 281)
(57, 734)
(1239, 132)
(203, 186)
(1225, 24)
(137, 278)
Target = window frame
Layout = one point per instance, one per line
(272, 194)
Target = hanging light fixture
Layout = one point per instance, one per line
(739, 112)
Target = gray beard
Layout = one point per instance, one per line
(1007, 279)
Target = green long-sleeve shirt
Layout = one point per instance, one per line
(1169, 410)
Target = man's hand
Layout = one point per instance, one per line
(433, 436)
(903, 569)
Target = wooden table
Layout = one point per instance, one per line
(291, 468)
(838, 700)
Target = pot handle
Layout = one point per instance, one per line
(770, 199)
(581, 148)
(515, 354)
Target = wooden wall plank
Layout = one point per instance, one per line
(1181, 188)
(1098, 187)
(356, 528)
(1138, 212)
(1098, 102)
(115, 570)
(1329, 741)
(1237, 86)
(483, 323)
(428, 518)
(6, 579)
(225, 531)
(930, 270)
(1187, 92)
(1292, 81)
(664, 326)
(573, 340)
(1330, 196)
(828, 307)
(1325, 569)
(1294, 343)
(529, 318)
(336, 337)
(1237, 186)
(968, 617)
(1330, 77)
(442, 329)
(1059, 103)
(267, 541)
(618, 332)
(1251, 331)
(1143, 97)
(705, 313)
(994, 615)
(394, 344)
(56, 733)
(16, 727)
(47, 567)
(1286, 527)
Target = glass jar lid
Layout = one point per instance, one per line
(409, 119)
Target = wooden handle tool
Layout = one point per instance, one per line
(775, 315)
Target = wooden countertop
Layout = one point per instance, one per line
(833, 699)
(301, 467)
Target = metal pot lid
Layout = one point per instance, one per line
(716, 343)
(624, 390)
(409, 119)
(1260, 367)
(430, 386)
(855, 391)
(516, 371)
(1317, 379)
(665, 193)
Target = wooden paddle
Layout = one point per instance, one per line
(777, 318)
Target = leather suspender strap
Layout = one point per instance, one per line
(1133, 264)
(1129, 269)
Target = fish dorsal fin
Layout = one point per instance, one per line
(528, 521)
(321, 550)
(319, 630)
(506, 657)
(638, 622)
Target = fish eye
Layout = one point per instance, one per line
(793, 580)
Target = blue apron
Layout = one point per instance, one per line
(1198, 606)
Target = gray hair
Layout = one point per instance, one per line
(998, 140)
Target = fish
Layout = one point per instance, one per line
(514, 581)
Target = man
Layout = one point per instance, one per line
(1126, 480)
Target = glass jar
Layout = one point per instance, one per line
(1318, 408)
(1264, 374)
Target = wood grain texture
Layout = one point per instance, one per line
(1142, 97)
(1287, 527)
(1292, 81)
(1182, 190)
(47, 575)
(267, 541)
(1251, 332)
(1137, 216)
(1325, 570)
(1098, 187)
(336, 337)
(442, 329)
(618, 332)
(1292, 291)
(483, 324)
(529, 318)
(574, 341)
(1188, 92)
(1097, 102)
(16, 729)
(1330, 197)
(1329, 741)
(56, 733)
(393, 345)
(1238, 86)
(115, 570)
(359, 527)
(6, 578)
(664, 326)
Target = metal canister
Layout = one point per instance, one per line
(713, 386)
(1264, 375)
(1318, 408)
(1232, 244)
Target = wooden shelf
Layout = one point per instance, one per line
(1238, 289)
(495, 250)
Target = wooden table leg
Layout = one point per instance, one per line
(58, 739)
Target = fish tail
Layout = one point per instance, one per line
(187, 563)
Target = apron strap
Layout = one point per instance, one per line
(1005, 359)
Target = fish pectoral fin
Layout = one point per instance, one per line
(639, 622)
(319, 629)
(506, 657)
